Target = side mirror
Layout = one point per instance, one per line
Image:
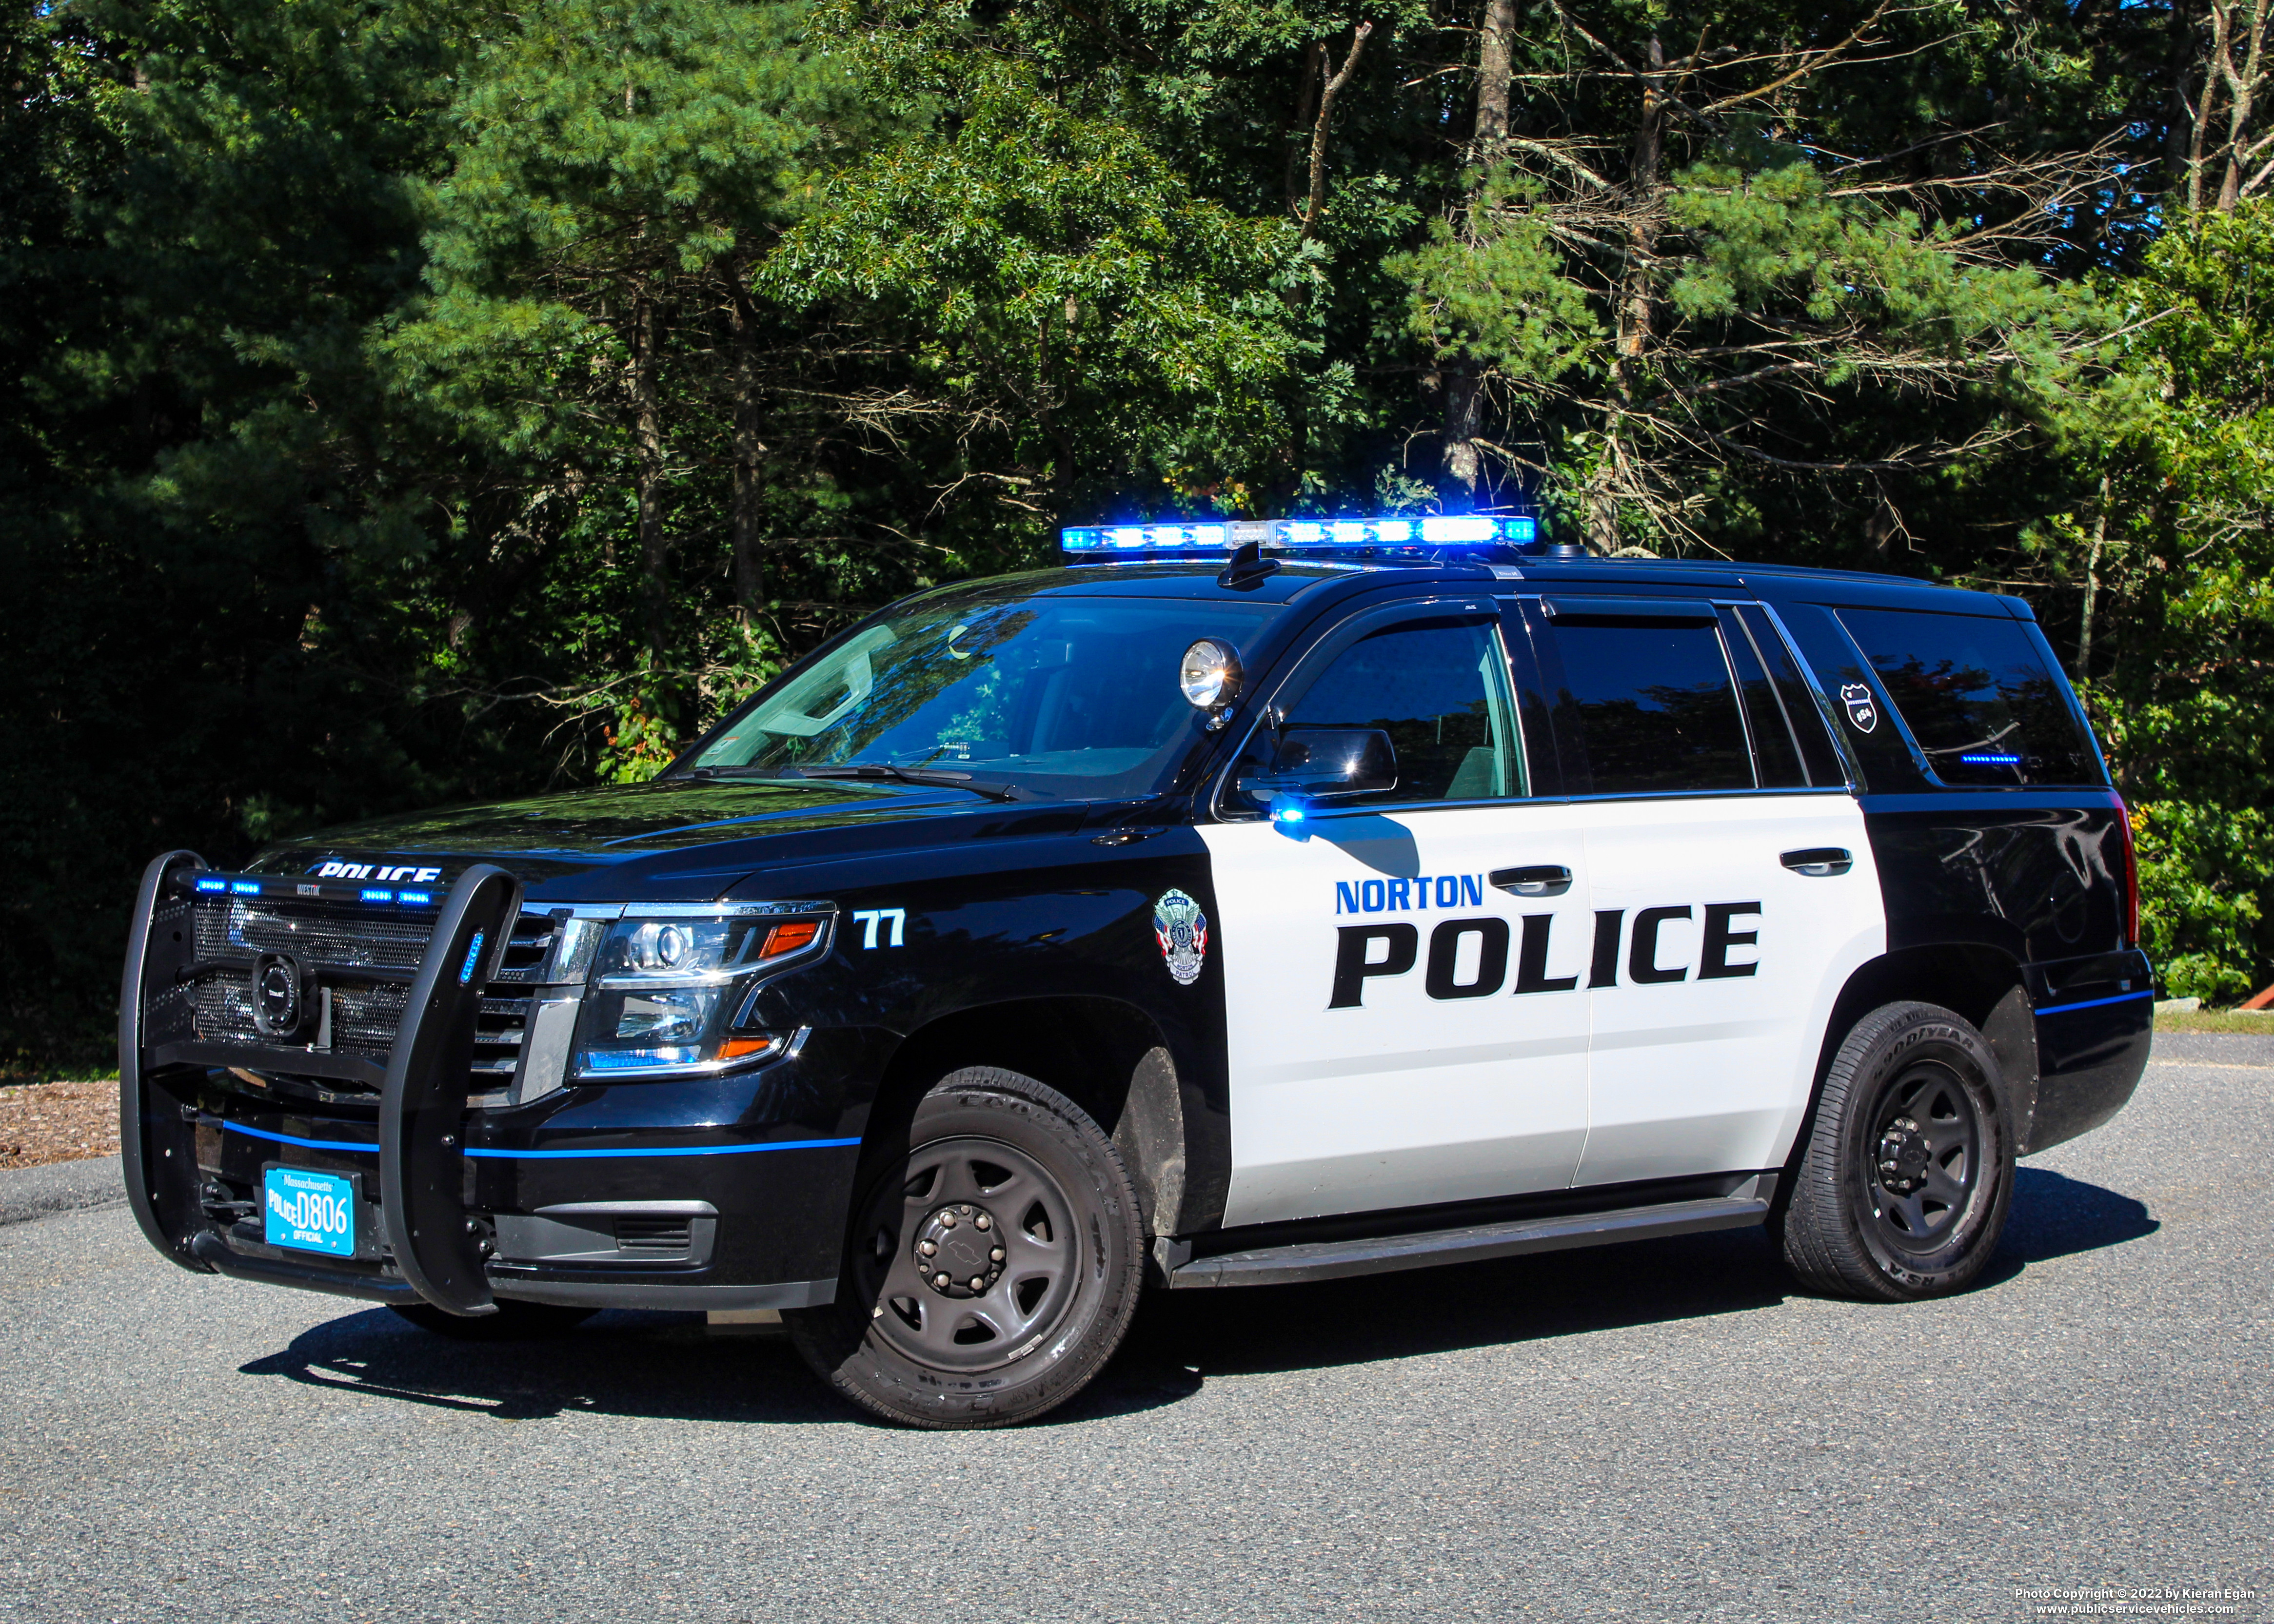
(1320, 763)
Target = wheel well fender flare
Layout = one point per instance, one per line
(1982, 984)
(1107, 1056)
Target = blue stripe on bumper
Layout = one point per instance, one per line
(552, 1156)
(288, 1138)
(2094, 1004)
(676, 1150)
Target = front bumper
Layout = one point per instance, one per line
(724, 1191)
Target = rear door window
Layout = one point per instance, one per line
(1650, 704)
(1978, 696)
(1797, 700)
(1775, 759)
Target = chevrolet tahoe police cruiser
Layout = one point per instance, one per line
(1244, 903)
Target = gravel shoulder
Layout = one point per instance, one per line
(46, 1123)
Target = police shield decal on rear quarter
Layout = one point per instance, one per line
(1183, 932)
(1860, 710)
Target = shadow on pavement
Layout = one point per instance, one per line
(1442, 1310)
(663, 1365)
(2056, 1217)
(669, 1367)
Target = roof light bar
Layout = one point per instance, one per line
(1300, 535)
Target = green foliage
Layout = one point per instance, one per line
(2204, 873)
(2182, 581)
(1056, 281)
(415, 403)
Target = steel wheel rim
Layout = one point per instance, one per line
(1923, 1157)
(1025, 1295)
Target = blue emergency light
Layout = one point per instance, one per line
(1320, 536)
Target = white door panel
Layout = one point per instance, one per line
(1435, 1082)
(1705, 1043)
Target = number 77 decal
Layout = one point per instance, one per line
(870, 918)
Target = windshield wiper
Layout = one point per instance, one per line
(989, 787)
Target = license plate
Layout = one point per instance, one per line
(313, 1212)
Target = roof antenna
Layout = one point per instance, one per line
(1248, 569)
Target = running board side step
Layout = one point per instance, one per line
(1309, 1260)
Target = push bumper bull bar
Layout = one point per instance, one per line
(421, 1099)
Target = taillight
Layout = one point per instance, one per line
(2131, 877)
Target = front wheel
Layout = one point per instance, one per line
(1904, 1186)
(992, 1268)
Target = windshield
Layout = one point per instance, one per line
(1069, 696)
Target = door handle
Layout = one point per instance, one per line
(1539, 880)
(1819, 862)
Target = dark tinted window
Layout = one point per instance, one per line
(1800, 706)
(1653, 707)
(1976, 696)
(1774, 757)
(1441, 692)
(1857, 702)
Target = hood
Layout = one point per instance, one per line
(673, 839)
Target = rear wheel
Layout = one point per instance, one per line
(1903, 1190)
(513, 1322)
(993, 1263)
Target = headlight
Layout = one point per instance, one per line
(667, 993)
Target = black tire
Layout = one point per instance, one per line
(1903, 1188)
(514, 1321)
(975, 1340)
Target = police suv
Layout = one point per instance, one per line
(1244, 904)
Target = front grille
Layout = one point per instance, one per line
(328, 933)
(498, 1031)
(364, 1015)
(338, 939)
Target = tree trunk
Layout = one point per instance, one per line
(1313, 74)
(2242, 88)
(1635, 297)
(1641, 236)
(1316, 204)
(1496, 69)
(1461, 466)
(2179, 110)
(2092, 585)
(2206, 100)
(749, 564)
(647, 437)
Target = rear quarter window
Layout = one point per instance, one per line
(1978, 696)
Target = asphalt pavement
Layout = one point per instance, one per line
(1658, 1431)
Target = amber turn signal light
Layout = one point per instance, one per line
(789, 938)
